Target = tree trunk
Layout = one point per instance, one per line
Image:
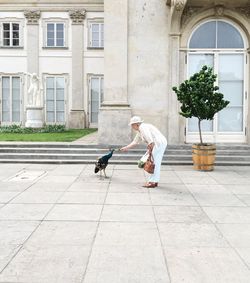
(199, 125)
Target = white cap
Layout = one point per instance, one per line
(135, 120)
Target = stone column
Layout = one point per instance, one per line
(77, 115)
(115, 112)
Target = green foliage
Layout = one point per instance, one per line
(17, 129)
(199, 97)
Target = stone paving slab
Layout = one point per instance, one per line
(71, 226)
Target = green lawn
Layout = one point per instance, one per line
(66, 136)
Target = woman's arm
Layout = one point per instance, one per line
(127, 147)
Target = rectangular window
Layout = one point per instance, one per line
(55, 35)
(55, 100)
(96, 97)
(11, 99)
(96, 35)
(11, 34)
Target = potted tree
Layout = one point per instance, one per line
(199, 98)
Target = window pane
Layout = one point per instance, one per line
(233, 92)
(60, 117)
(59, 42)
(15, 42)
(95, 36)
(50, 105)
(50, 94)
(6, 99)
(95, 28)
(228, 36)
(15, 27)
(16, 82)
(94, 99)
(230, 119)
(16, 105)
(60, 106)
(60, 94)
(50, 28)
(102, 89)
(60, 27)
(231, 67)
(15, 34)
(50, 42)
(50, 35)
(6, 42)
(196, 61)
(206, 125)
(59, 34)
(95, 43)
(6, 83)
(50, 82)
(6, 34)
(50, 117)
(6, 26)
(59, 82)
(16, 116)
(204, 36)
(6, 116)
(15, 94)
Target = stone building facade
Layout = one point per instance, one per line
(150, 46)
(60, 41)
(156, 44)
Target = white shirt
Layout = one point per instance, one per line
(149, 134)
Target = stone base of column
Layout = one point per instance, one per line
(77, 119)
(113, 126)
(34, 117)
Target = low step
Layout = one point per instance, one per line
(236, 154)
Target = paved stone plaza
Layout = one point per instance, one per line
(62, 223)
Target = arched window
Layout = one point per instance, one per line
(216, 34)
(220, 45)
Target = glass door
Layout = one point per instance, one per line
(229, 124)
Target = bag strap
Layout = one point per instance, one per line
(150, 157)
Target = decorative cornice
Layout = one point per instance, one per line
(188, 12)
(179, 5)
(77, 16)
(32, 16)
(244, 10)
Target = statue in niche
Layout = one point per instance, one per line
(35, 90)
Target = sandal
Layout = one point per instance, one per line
(150, 185)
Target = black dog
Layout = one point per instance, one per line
(102, 163)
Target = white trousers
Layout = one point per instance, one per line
(157, 153)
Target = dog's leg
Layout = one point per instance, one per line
(105, 176)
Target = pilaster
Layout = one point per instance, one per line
(77, 115)
(176, 10)
(115, 112)
(32, 18)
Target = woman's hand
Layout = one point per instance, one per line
(150, 147)
(124, 148)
